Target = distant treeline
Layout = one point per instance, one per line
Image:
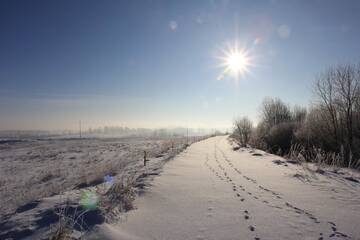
(110, 131)
(328, 131)
(161, 132)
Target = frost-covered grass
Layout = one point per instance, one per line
(34, 169)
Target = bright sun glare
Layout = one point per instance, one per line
(235, 62)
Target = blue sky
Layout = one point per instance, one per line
(155, 63)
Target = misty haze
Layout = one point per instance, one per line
(180, 120)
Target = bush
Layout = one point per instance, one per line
(280, 137)
(257, 138)
(332, 125)
(242, 131)
(274, 111)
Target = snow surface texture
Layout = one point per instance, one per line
(39, 176)
(41, 168)
(211, 191)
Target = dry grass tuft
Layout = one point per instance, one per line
(118, 198)
(64, 228)
(315, 155)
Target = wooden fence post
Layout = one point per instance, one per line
(145, 160)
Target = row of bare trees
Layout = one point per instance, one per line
(338, 95)
(331, 123)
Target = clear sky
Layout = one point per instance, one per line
(156, 63)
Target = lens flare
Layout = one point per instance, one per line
(89, 200)
(109, 180)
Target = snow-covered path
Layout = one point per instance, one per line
(212, 192)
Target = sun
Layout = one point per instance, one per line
(235, 62)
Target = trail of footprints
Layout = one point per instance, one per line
(224, 177)
(299, 211)
(275, 197)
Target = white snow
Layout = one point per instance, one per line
(39, 177)
(212, 192)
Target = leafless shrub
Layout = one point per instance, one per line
(280, 137)
(242, 130)
(275, 130)
(69, 219)
(257, 139)
(274, 111)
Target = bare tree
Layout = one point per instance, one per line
(338, 90)
(298, 114)
(242, 130)
(347, 86)
(274, 111)
(324, 89)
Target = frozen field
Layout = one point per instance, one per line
(32, 170)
